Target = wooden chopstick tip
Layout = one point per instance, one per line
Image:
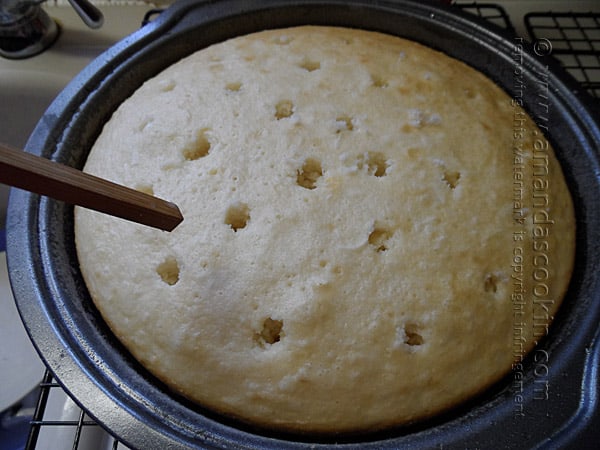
(165, 215)
(177, 218)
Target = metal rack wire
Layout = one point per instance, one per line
(576, 43)
(491, 12)
(39, 419)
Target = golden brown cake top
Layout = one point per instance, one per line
(367, 239)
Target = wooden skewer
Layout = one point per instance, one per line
(42, 176)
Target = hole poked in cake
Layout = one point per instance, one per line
(378, 238)
(309, 173)
(168, 271)
(451, 178)
(199, 148)
(493, 282)
(310, 65)
(376, 163)
(270, 333)
(379, 81)
(284, 109)
(237, 216)
(343, 123)
(412, 335)
(233, 86)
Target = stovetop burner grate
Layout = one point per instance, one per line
(575, 40)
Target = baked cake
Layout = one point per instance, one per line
(374, 231)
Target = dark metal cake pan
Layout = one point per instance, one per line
(551, 401)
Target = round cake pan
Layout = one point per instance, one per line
(551, 400)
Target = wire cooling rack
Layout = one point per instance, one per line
(80, 431)
(491, 12)
(575, 40)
